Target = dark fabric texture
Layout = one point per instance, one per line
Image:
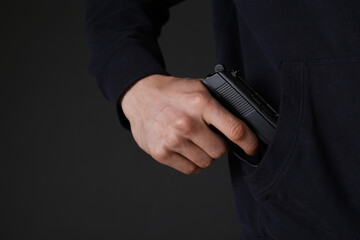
(123, 40)
(304, 58)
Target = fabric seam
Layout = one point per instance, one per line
(295, 138)
(226, 23)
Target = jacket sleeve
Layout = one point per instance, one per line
(123, 40)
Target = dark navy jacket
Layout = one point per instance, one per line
(304, 58)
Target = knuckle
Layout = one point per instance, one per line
(237, 131)
(160, 154)
(206, 163)
(184, 124)
(188, 170)
(199, 100)
(219, 153)
(172, 140)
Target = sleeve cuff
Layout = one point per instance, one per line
(123, 69)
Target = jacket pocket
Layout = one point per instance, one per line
(278, 153)
(309, 175)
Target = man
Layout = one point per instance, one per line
(303, 57)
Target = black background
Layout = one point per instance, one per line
(68, 170)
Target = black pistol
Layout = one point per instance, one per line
(235, 94)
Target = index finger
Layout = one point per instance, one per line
(232, 127)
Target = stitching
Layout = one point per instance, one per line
(295, 137)
(349, 59)
(324, 60)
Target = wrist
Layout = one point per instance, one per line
(129, 99)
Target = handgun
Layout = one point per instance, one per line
(237, 96)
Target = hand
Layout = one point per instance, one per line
(170, 120)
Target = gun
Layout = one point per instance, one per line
(236, 95)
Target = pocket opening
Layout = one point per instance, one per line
(278, 153)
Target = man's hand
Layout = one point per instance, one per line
(170, 120)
